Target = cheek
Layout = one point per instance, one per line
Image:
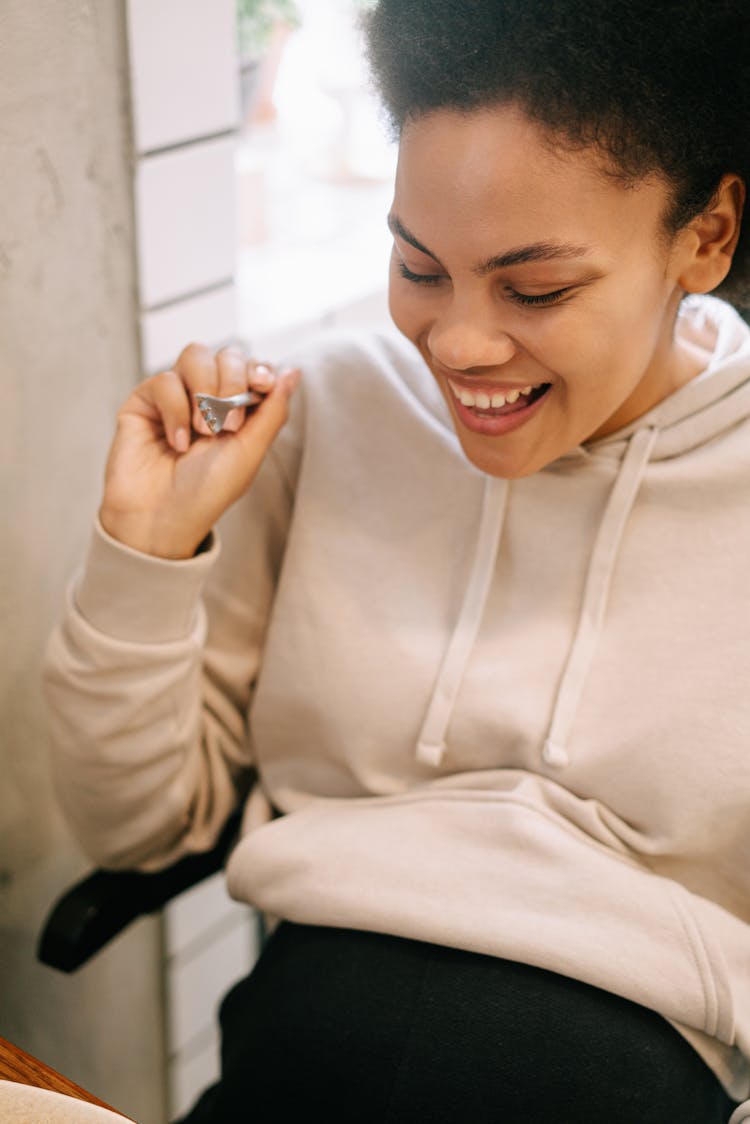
(590, 336)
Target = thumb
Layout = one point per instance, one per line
(255, 437)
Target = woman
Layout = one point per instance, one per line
(475, 649)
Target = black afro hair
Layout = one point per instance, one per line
(659, 87)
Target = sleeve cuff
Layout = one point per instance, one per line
(137, 597)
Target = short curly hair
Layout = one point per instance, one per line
(660, 87)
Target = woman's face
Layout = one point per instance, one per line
(516, 266)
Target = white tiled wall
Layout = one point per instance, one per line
(185, 102)
(201, 976)
(193, 916)
(212, 316)
(184, 80)
(186, 220)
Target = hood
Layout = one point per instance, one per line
(698, 412)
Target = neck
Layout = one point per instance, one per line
(674, 363)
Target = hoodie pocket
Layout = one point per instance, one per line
(709, 959)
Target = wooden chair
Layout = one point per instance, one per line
(20, 1068)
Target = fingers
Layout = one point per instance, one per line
(257, 434)
(162, 503)
(201, 372)
(224, 373)
(163, 399)
(260, 376)
(231, 364)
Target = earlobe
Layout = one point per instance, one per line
(712, 238)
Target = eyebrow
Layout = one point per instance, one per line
(536, 251)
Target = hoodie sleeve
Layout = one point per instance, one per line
(150, 673)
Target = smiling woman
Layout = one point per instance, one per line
(475, 653)
(583, 280)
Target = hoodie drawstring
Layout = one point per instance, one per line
(431, 742)
(596, 590)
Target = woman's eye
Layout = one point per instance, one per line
(520, 298)
(419, 278)
(539, 298)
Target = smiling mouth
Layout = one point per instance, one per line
(486, 404)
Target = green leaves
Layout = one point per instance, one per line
(256, 20)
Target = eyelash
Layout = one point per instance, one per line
(519, 298)
(418, 278)
(540, 298)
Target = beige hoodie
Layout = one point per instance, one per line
(511, 717)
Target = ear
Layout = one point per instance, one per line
(708, 242)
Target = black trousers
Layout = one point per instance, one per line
(346, 1026)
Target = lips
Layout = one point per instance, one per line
(496, 421)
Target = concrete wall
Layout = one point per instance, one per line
(68, 354)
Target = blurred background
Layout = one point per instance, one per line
(170, 170)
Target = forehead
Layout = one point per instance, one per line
(466, 177)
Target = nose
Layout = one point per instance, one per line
(468, 335)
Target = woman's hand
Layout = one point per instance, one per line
(168, 479)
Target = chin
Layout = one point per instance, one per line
(497, 462)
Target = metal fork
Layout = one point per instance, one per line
(215, 409)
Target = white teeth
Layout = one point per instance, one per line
(484, 401)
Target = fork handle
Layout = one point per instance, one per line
(246, 398)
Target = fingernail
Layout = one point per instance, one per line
(290, 378)
(263, 375)
(182, 440)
